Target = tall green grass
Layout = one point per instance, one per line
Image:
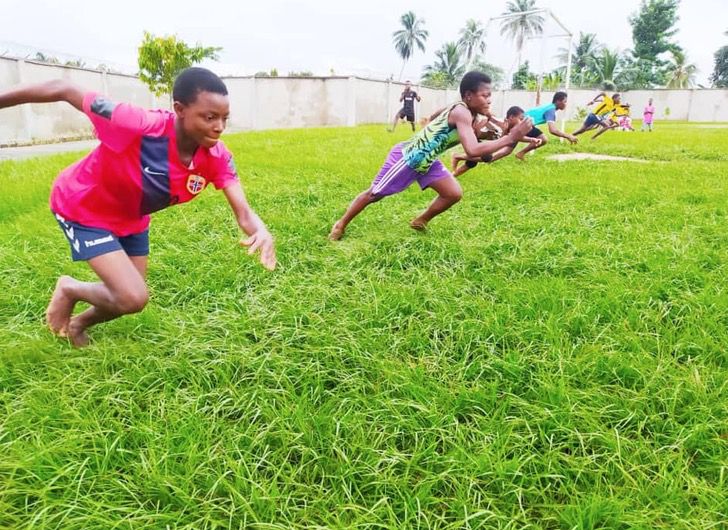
(551, 355)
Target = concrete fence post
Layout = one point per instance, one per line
(26, 129)
(351, 102)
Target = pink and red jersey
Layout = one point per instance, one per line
(135, 170)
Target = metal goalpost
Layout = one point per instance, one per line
(564, 33)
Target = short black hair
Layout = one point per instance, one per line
(559, 96)
(472, 80)
(615, 95)
(514, 111)
(192, 81)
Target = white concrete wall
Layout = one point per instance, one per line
(273, 103)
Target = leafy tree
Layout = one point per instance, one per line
(720, 71)
(412, 35)
(448, 67)
(680, 74)
(43, 58)
(653, 27)
(472, 40)
(495, 73)
(161, 59)
(523, 78)
(523, 26)
(583, 54)
(606, 66)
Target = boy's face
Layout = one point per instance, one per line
(478, 101)
(514, 120)
(617, 98)
(205, 118)
(561, 104)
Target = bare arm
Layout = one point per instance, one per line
(556, 132)
(252, 225)
(48, 92)
(462, 119)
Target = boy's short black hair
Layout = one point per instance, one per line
(192, 81)
(559, 96)
(615, 95)
(514, 111)
(472, 80)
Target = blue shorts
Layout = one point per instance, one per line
(592, 120)
(87, 242)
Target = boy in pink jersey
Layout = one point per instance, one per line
(147, 160)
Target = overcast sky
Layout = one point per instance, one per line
(320, 35)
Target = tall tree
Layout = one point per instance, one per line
(161, 59)
(720, 70)
(447, 69)
(495, 73)
(412, 35)
(606, 66)
(523, 78)
(653, 27)
(680, 74)
(472, 40)
(583, 54)
(523, 25)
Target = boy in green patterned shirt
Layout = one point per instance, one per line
(416, 160)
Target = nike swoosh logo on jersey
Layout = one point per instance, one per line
(147, 170)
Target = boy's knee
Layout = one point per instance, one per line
(132, 301)
(544, 140)
(454, 195)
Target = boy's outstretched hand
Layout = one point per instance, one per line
(263, 241)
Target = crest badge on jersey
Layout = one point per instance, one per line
(195, 184)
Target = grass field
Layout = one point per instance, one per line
(551, 355)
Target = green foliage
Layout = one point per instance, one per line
(584, 53)
(161, 59)
(273, 73)
(412, 35)
(302, 73)
(496, 73)
(472, 40)
(680, 73)
(606, 68)
(550, 355)
(653, 27)
(522, 26)
(523, 78)
(720, 71)
(447, 70)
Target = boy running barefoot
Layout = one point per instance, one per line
(417, 160)
(147, 160)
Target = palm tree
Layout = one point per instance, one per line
(681, 74)
(523, 26)
(606, 66)
(447, 69)
(583, 54)
(413, 34)
(472, 40)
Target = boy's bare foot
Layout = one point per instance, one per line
(336, 232)
(77, 334)
(521, 157)
(60, 307)
(419, 225)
